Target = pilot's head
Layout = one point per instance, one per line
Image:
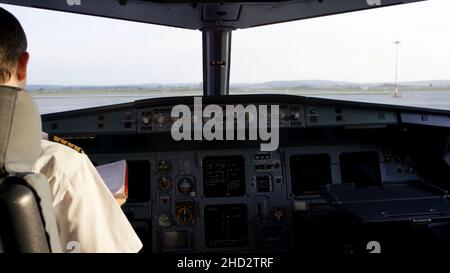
(13, 51)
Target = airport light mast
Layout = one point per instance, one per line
(396, 94)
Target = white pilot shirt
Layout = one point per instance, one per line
(89, 218)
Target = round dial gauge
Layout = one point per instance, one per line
(165, 183)
(184, 215)
(165, 219)
(164, 167)
(185, 185)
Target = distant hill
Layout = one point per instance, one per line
(300, 84)
(314, 84)
(324, 84)
(150, 86)
(35, 87)
(441, 83)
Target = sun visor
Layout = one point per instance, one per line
(204, 14)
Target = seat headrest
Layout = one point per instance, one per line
(20, 131)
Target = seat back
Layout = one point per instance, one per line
(28, 221)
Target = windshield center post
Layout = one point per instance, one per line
(216, 60)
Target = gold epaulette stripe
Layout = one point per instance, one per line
(66, 143)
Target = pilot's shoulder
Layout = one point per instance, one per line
(59, 151)
(64, 142)
(55, 157)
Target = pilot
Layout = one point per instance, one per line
(89, 218)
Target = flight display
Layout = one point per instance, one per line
(360, 168)
(309, 172)
(223, 176)
(226, 225)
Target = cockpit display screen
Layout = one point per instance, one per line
(223, 176)
(226, 225)
(361, 169)
(174, 240)
(309, 172)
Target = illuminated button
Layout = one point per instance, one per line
(300, 206)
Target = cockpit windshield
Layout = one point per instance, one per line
(397, 55)
(363, 56)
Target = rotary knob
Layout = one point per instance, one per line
(279, 214)
(295, 116)
(146, 118)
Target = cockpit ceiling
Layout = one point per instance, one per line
(203, 13)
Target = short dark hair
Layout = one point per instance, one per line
(13, 43)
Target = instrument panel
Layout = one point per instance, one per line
(158, 119)
(212, 197)
(231, 197)
(244, 199)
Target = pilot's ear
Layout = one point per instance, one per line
(22, 66)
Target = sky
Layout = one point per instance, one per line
(70, 49)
